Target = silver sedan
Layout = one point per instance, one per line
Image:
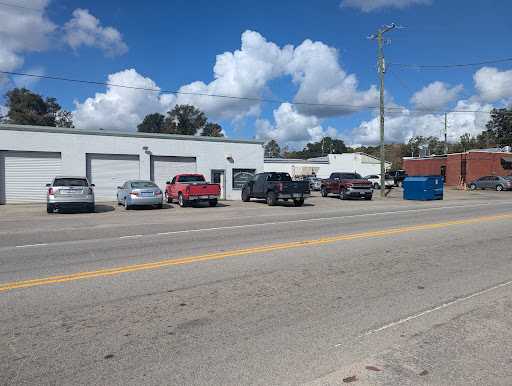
(492, 182)
(139, 192)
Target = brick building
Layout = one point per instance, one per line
(467, 166)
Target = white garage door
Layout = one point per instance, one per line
(26, 175)
(108, 171)
(165, 168)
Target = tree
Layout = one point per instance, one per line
(212, 130)
(185, 120)
(272, 149)
(500, 126)
(152, 123)
(28, 108)
(321, 148)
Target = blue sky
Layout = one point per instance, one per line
(304, 54)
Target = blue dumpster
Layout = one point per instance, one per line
(423, 188)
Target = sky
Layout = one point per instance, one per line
(293, 71)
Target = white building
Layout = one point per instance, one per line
(30, 156)
(361, 163)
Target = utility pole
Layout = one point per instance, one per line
(382, 69)
(445, 135)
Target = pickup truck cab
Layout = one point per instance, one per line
(347, 185)
(273, 186)
(186, 188)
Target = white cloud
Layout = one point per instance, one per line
(21, 32)
(292, 127)
(435, 95)
(241, 74)
(122, 108)
(372, 5)
(401, 126)
(492, 84)
(85, 29)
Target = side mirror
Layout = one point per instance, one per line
(48, 185)
(119, 187)
(168, 182)
(93, 185)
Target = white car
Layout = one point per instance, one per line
(375, 180)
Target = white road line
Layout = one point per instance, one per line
(29, 245)
(318, 219)
(130, 236)
(431, 310)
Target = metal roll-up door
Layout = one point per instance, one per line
(164, 168)
(26, 174)
(108, 171)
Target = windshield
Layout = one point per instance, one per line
(143, 184)
(279, 177)
(191, 179)
(70, 182)
(351, 176)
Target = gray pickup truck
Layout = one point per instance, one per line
(273, 186)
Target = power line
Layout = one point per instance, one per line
(450, 65)
(388, 109)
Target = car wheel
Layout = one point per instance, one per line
(376, 186)
(367, 198)
(472, 186)
(213, 202)
(343, 194)
(91, 208)
(400, 184)
(181, 201)
(499, 188)
(271, 198)
(49, 208)
(245, 195)
(159, 206)
(118, 201)
(298, 201)
(126, 206)
(167, 198)
(323, 191)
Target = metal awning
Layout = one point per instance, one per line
(506, 159)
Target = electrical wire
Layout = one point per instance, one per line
(450, 65)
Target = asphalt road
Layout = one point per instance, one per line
(244, 293)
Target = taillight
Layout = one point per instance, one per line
(188, 189)
(90, 191)
(508, 181)
(134, 193)
(159, 192)
(50, 192)
(280, 186)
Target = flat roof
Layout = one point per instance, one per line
(129, 134)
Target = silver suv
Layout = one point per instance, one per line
(70, 192)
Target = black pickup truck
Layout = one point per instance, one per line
(273, 186)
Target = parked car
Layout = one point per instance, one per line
(274, 186)
(138, 193)
(398, 176)
(314, 182)
(347, 185)
(375, 180)
(191, 188)
(69, 192)
(492, 182)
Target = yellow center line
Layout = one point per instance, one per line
(165, 263)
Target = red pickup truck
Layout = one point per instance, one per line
(191, 188)
(346, 185)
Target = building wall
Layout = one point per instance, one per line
(477, 164)
(468, 166)
(346, 162)
(424, 166)
(74, 145)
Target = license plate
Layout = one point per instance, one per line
(147, 194)
(297, 195)
(203, 196)
(69, 191)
